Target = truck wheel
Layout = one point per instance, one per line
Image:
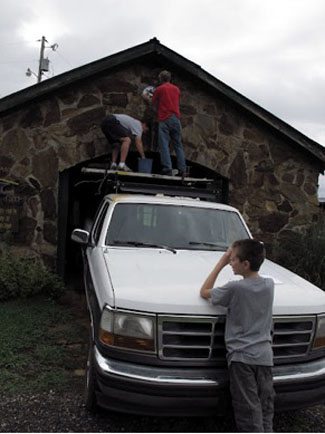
(91, 383)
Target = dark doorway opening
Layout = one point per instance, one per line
(79, 199)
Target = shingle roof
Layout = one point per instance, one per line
(154, 49)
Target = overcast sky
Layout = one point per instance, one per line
(271, 51)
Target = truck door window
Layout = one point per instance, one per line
(99, 223)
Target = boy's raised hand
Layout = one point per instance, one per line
(225, 259)
(208, 284)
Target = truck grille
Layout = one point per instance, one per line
(292, 336)
(202, 338)
(191, 338)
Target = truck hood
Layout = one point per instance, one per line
(154, 280)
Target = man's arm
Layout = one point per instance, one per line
(139, 146)
(155, 99)
(147, 97)
(205, 290)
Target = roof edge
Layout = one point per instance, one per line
(38, 90)
(255, 109)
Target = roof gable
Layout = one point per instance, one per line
(154, 48)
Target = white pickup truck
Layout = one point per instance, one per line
(156, 346)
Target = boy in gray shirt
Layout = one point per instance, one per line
(248, 333)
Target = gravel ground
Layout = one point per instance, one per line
(54, 412)
(65, 412)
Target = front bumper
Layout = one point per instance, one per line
(142, 389)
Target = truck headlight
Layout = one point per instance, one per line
(319, 341)
(127, 330)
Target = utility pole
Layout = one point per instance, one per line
(41, 59)
(43, 62)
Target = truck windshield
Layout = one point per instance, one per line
(178, 227)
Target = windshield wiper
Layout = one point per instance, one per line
(203, 243)
(141, 244)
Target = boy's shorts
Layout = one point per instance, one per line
(114, 130)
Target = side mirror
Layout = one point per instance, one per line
(80, 236)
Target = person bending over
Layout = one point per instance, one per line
(120, 129)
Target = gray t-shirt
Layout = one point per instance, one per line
(131, 124)
(249, 319)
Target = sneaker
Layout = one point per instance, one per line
(124, 168)
(167, 172)
(113, 166)
(183, 174)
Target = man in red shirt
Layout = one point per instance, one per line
(166, 101)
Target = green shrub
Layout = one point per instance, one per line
(304, 254)
(25, 277)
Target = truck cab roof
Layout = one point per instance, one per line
(170, 200)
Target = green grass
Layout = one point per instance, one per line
(42, 344)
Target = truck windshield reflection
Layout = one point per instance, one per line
(175, 227)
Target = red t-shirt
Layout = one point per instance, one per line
(166, 99)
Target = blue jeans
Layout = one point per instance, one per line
(169, 131)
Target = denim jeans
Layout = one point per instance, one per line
(169, 131)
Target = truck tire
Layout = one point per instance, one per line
(91, 382)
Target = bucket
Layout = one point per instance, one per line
(145, 165)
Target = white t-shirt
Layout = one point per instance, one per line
(131, 124)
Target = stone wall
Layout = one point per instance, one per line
(272, 183)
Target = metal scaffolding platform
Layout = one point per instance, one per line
(116, 181)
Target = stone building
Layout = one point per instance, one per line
(49, 129)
